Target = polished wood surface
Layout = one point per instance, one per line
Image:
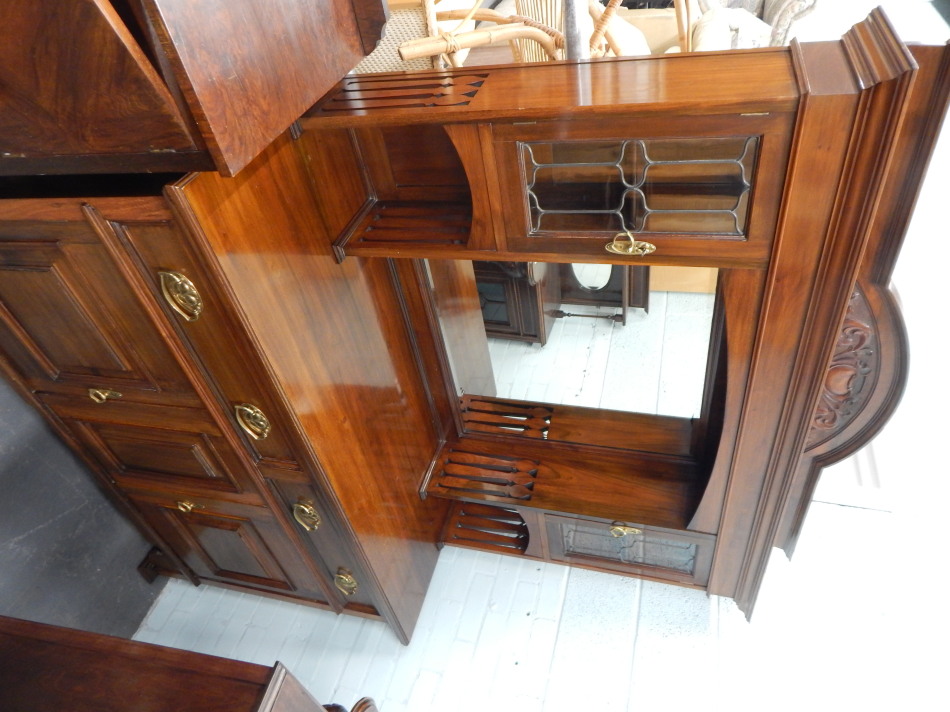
(657, 85)
(146, 85)
(47, 668)
(248, 68)
(79, 103)
(640, 487)
(336, 343)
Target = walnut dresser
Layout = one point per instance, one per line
(261, 340)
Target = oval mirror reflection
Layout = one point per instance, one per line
(592, 277)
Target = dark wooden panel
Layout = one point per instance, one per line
(248, 69)
(216, 335)
(571, 424)
(73, 323)
(652, 489)
(229, 542)
(76, 83)
(46, 668)
(156, 446)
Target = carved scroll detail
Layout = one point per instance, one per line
(851, 373)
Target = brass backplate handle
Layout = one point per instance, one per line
(181, 294)
(345, 582)
(187, 506)
(101, 395)
(621, 530)
(625, 244)
(306, 515)
(252, 420)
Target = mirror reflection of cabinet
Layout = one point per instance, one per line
(767, 166)
(518, 300)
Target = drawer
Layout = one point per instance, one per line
(675, 556)
(155, 446)
(199, 304)
(322, 535)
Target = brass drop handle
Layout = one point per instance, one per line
(181, 294)
(625, 244)
(345, 582)
(187, 506)
(621, 530)
(306, 515)
(101, 395)
(252, 420)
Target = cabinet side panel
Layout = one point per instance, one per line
(249, 68)
(335, 337)
(99, 96)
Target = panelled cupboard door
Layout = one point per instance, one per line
(70, 323)
(232, 543)
(156, 446)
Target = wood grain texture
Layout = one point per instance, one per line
(248, 69)
(75, 83)
(852, 167)
(98, 673)
(928, 103)
(335, 339)
(744, 81)
(646, 488)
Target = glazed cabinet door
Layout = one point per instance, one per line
(70, 322)
(664, 554)
(700, 190)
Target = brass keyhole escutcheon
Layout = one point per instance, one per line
(345, 582)
(306, 515)
(181, 295)
(101, 395)
(625, 244)
(621, 530)
(252, 420)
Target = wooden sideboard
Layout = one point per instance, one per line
(256, 366)
(47, 668)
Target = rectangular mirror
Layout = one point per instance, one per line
(609, 339)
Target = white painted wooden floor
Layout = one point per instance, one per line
(857, 621)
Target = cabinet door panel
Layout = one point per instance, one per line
(77, 84)
(155, 446)
(71, 323)
(570, 187)
(681, 557)
(230, 543)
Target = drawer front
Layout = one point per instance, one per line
(154, 446)
(679, 557)
(199, 305)
(322, 536)
(230, 542)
